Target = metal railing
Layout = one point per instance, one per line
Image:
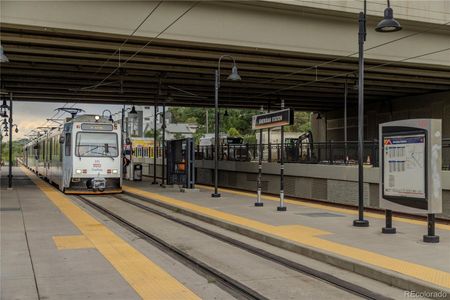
(323, 152)
(332, 152)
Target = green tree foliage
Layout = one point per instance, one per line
(150, 133)
(233, 132)
(178, 135)
(302, 122)
(17, 147)
(235, 122)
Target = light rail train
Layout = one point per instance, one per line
(83, 156)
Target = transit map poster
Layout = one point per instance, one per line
(404, 166)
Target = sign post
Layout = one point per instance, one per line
(258, 202)
(281, 118)
(410, 171)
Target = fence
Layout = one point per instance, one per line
(332, 152)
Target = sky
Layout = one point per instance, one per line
(29, 115)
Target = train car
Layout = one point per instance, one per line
(83, 156)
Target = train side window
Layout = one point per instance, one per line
(68, 144)
(60, 151)
(43, 150)
(50, 152)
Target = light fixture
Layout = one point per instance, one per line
(17, 128)
(3, 57)
(4, 106)
(97, 118)
(133, 111)
(319, 117)
(388, 24)
(234, 73)
(110, 115)
(226, 113)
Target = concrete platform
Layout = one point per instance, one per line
(324, 233)
(53, 249)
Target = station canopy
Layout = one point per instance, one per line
(56, 65)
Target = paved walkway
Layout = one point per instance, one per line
(324, 229)
(53, 249)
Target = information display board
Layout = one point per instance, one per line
(404, 166)
(410, 166)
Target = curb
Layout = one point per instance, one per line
(385, 276)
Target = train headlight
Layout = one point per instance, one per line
(115, 171)
(78, 171)
(97, 118)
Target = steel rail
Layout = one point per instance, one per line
(322, 276)
(229, 284)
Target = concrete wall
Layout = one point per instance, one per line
(331, 183)
(286, 25)
(436, 105)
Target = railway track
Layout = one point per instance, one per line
(233, 286)
(229, 284)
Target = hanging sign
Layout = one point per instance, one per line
(278, 118)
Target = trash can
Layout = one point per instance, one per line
(137, 172)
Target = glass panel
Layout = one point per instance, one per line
(96, 144)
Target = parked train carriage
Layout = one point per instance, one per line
(83, 156)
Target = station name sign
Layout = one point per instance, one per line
(278, 118)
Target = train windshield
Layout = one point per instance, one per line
(96, 144)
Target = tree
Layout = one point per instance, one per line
(302, 122)
(178, 135)
(237, 122)
(233, 132)
(150, 133)
(17, 149)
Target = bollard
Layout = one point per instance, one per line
(388, 229)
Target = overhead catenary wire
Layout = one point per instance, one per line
(144, 46)
(129, 36)
(347, 73)
(138, 51)
(338, 58)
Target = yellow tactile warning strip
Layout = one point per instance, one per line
(72, 242)
(309, 236)
(144, 276)
(324, 207)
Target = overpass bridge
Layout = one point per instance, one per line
(299, 51)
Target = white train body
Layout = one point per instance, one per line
(82, 156)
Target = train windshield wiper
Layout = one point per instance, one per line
(88, 151)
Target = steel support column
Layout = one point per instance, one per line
(10, 141)
(216, 136)
(360, 222)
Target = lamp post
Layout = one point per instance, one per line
(10, 142)
(155, 151)
(163, 145)
(345, 121)
(233, 76)
(388, 24)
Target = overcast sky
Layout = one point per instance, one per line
(29, 115)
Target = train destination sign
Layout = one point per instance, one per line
(278, 118)
(99, 127)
